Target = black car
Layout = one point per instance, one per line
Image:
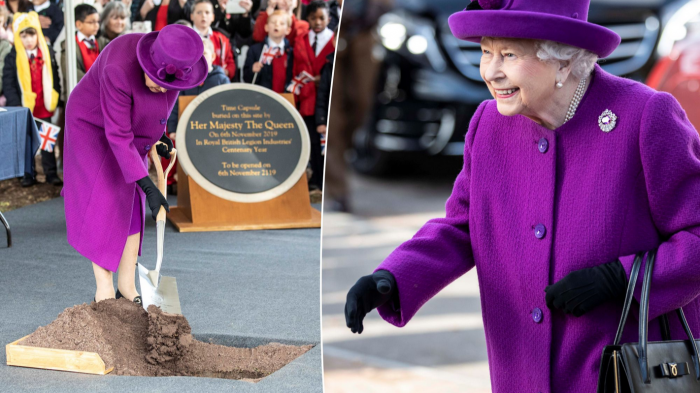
(429, 84)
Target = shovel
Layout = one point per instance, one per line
(157, 290)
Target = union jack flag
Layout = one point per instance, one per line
(269, 54)
(298, 82)
(323, 144)
(48, 133)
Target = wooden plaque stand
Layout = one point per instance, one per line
(198, 210)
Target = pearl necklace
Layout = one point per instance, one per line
(575, 101)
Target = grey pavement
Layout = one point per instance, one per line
(443, 348)
(236, 288)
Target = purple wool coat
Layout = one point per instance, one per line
(112, 120)
(599, 197)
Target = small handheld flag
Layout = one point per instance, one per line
(269, 54)
(48, 133)
(299, 81)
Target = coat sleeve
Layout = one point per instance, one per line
(439, 252)
(323, 94)
(670, 154)
(116, 103)
(10, 82)
(259, 29)
(251, 57)
(56, 24)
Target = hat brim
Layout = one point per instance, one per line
(199, 73)
(473, 24)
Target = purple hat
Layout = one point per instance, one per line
(172, 57)
(562, 21)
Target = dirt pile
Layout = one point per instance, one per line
(155, 343)
(169, 336)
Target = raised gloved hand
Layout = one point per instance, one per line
(583, 290)
(164, 150)
(368, 293)
(154, 197)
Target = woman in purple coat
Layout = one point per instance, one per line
(113, 117)
(567, 174)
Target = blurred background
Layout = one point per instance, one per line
(404, 90)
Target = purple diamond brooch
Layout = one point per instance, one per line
(607, 120)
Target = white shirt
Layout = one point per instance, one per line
(271, 44)
(322, 39)
(39, 8)
(32, 52)
(206, 35)
(82, 37)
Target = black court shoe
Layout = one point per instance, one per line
(136, 300)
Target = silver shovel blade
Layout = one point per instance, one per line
(163, 294)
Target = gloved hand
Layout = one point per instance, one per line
(583, 290)
(164, 150)
(153, 196)
(368, 293)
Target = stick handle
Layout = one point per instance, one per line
(161, 179)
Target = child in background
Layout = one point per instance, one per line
(30, 79)
(299, 27)
(323, 99)
(87, 22)
(50, 19)
(215, 78)
(310, 52)
(275, 73)
(202, 17)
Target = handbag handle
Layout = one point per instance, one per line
(644, 323)
(629, 296)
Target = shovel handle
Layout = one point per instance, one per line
(162, 177)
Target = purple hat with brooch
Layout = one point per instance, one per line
(562, 21)
(172, 57)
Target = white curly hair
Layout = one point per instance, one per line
(582, 60)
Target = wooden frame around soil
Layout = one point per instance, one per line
(55, 359)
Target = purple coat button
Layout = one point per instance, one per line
(540, 231)
(537, 315)
(542, 145)
(162, 121)
(147, 147)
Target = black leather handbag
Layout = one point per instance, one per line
(663, 366)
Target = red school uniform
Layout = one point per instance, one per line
(89, 54)
(224, 53)
(35, 66)
(306, 60)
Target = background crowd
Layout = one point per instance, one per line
(282, 45)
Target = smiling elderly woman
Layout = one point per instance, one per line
(568, 173)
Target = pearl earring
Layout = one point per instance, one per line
(560, 85)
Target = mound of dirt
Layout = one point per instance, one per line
(135, 342)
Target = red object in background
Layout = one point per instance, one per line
(679, 74)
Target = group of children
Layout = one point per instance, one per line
(291, 57)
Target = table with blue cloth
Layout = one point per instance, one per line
(19, 142)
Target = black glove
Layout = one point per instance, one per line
(583, 290)
(153, 196)
(368, 293)
(164, 150)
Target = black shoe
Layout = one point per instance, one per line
(53, 178)
(28, 181)
(136, 300)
